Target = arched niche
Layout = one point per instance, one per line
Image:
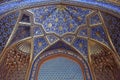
(104, 62)
(56, 53)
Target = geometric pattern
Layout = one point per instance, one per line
(81, 45)
(60, 19)
(69, 38)
(37, 30)
(82, 32)
(60, 69)
(99, 34)
(95, 19)
(52, 17)
(59, 22)
(52, 38)
(7, 24)
(113, 25)
(39, 44)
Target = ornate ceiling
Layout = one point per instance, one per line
(38, 29)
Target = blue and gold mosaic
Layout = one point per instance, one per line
(81, 45)
(60, 19)
(40, 43)
(83, 32)
(52, 38)
(69, 38)
(99, 34)
(7, 24)
(37, 30)
(95, 19)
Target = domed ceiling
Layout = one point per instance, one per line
(47, 24)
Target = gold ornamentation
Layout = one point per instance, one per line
(50, 25)
(80, 45)
(71, 25)
(56, 20)
(64, 19)
(61, 7)
(41, 17)
(98, 33)
(40, 43)
(79, 18)
(60, 28)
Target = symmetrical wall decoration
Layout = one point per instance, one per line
(58, 52)
(57, 21)
(60, 19)
(64, 28)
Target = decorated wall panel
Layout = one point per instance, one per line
(104, 63)
(60, 53)
(15, 62)
(59, 29)
(7, 24)
(113, 25)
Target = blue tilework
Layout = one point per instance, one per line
(113, 26)
(83, 32)
(30, 3)
(60, 69)
(42, 13)
(40, 43)
(37, 30)
(7, 24)
(25, 18)
(78, 14)
(81, 45)
(60, 21)
(21, 33)
(52, 38)
(95, 19)
(68, 38)
(60, 45)
(99, 34)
